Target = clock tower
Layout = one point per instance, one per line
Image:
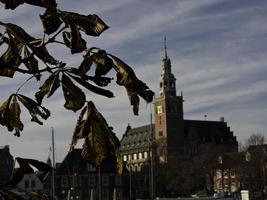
(169, 124)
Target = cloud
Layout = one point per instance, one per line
(217, 49)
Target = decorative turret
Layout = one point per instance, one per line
(167, 79)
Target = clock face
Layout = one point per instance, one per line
(159, 109)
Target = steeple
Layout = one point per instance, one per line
(167, 79)
(165, 48)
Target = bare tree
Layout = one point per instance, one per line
(255, 139)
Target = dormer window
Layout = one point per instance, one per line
(248, 157)
(220, 160)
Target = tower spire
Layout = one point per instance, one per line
(165, 48)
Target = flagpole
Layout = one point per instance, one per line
(53, 163)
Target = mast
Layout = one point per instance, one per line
(151, 160)
(53, 163)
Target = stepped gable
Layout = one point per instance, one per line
(210, 131)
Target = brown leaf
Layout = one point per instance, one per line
(34, 109)
(134, 100)
(15, 116)
(26, 39)
(85, 65)
(91, 24)
(74, 96)
(31, 63)
(100, 142)
(127, 78)
(50, 20)
(11, 59)
(74, 40)
(12, 4)
(93, 88)
(5, 113)
(51, 84)
(103, 63)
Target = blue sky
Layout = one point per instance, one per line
(217, 49)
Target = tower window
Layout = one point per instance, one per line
(160, 84)
(160, 133)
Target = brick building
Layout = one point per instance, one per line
(171, 136)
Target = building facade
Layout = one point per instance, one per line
(6, 164)
(75, 178)
(238, 171)
(171, 138)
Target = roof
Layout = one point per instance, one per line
(217, 131)
(74, 163)
(136, 138)
(139, 137)
(262, 147)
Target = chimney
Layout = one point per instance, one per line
(221, 119)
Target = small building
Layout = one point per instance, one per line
(6, 164)
(31, 183)
(75, 178)
(238, 171)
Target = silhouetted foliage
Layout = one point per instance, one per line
(26, 54)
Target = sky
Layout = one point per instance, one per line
(218, 52)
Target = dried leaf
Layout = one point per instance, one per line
(134, 100)
(100, 142)
(50, 20)
(15, 116)
(85, 65)
(11, 59)
(12, 4)
(103, 63)
(127, 78)
(74, 96)
(34, 109)
(24, 38)
(91, 24)
(31, 63)
(5, 113)
(74, 40)
(51, 84)
(93, 88)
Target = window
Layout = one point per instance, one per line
(145, 155)
(135, 156)
(129, 157)
(105, 180)
(26, 184)
(77, 180)
(124, 158)
(118, 180)
(159, 109)
(220, 159)
(140, 155)
(90, 168)
(105, 194)
(64, 181)
(219, 173)
(91, 180)
(248, 157)
(225, 173)
(118, 194)
(33, 184)
(232, 173)
(160, 133)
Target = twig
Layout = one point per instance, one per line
(23, 84)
